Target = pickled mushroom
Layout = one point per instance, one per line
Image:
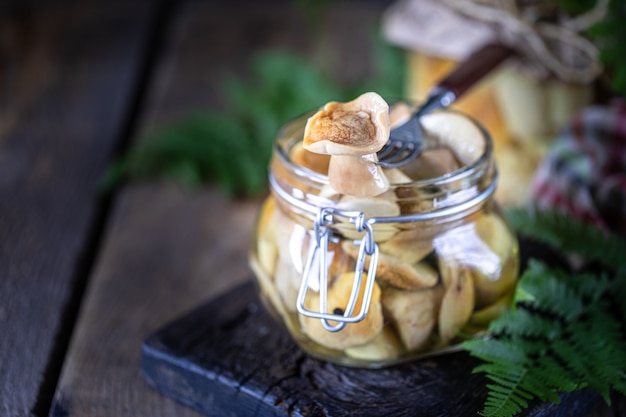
(411, 246)
(484, 316)
(383, 205)
(399, 113)
(353, 334)
(435, 280)
(267, 250)
(413, 313)
(492, 286)
(433, 163)
(351, 133)
(398, 273)
(384, 346)
(456, 132)
(458, 301)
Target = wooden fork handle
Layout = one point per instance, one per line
(474, 68)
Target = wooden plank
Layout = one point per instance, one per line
(67, 77)
(218, 40)
(166, 249)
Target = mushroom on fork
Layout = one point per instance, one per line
(351, 133)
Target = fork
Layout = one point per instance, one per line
(406, 141)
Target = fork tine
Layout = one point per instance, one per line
(400, 158)
(388, 149)
(442, 95)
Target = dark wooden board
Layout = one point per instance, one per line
(67, 81)
(230, 358)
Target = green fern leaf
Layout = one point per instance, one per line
(569, 235)
(566, 330)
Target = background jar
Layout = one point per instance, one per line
(374, 281)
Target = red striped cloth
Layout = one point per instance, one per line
(584, 174)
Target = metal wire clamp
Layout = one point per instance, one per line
(318, 251)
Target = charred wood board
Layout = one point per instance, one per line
(229, 357)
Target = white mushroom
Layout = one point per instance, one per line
(410, 245)
(383, 205)
(267, 250)
(294, 241)
(397, 273)
(484, 316)
(351, 133)
(291, 258)
(395, 176)
(399, 113)
(432, 163)
(413, 313)
(384, 346)
(494, 281)
(496, 234)
(458, 301)
(407, 197)
(353, 334)
(455, 131)
(269, 294)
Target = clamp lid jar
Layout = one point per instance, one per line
(376, 280)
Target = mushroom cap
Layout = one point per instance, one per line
(455, 131)
(357, 127)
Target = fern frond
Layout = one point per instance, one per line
(505, 399)
(563, 335)
(569, 235)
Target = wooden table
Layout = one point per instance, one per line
(85, 276)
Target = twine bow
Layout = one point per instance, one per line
(557, 47)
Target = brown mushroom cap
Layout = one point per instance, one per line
(358, 127)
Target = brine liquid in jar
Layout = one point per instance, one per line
(406, 265)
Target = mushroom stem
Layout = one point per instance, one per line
(357, 175)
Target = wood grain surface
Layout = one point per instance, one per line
(167, 250)
(67, 79)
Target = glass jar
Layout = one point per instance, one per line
(373, 281)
